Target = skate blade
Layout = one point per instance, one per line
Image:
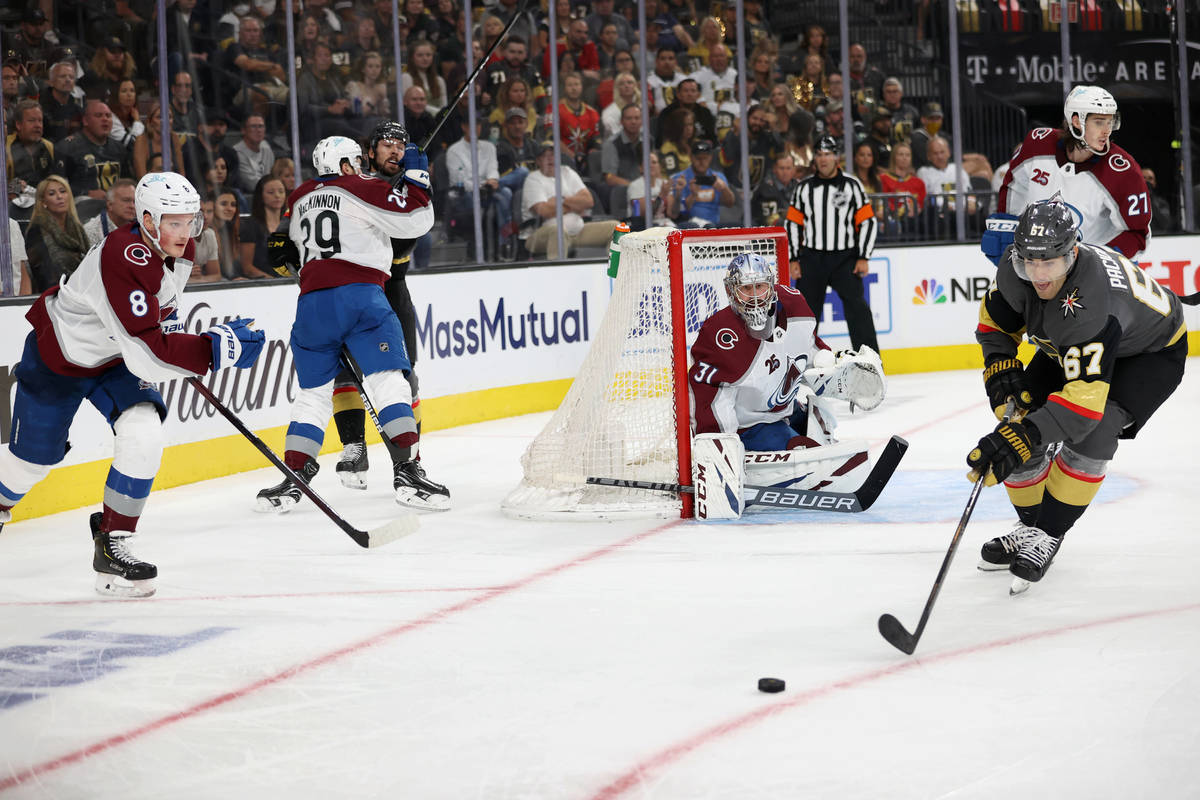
(264, 505)
(412, 498)
(116, 586)
(987, 566)
(1019, 586)
(353, 480)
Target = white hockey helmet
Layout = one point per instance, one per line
(160, 193)
(1084, 100)
(332, 150)
(757, 310)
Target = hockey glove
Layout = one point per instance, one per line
(1003, 379)
(282, 255)
(998, 235)
(1002, 451)
(235, 343)
(416, 166)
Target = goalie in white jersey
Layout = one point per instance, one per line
(342, 226)
(1080, 164)
(758, 382)
(107, 334)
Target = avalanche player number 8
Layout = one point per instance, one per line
(323, 231)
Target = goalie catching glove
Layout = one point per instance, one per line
(1003, 450)
(856, 377)
(1004, 380)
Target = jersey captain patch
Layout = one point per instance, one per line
(1072, 304)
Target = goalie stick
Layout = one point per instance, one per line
(846, 502)
(890, 627)
(375, 538)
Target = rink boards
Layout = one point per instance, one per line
(497, 343)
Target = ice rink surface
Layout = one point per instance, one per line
(489, 658)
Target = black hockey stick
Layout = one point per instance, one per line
(889, 626)
(814, 499)
(356, 376)
(375, 538)
(448, 109)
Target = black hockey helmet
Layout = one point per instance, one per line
(827, 144)
(387, 130)
(1045, 230)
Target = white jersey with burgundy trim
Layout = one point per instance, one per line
(343, 227)
(737, 380)
(121, 304)
(1107, 193)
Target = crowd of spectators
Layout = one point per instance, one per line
(81, 105)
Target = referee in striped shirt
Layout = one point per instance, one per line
(831, 233)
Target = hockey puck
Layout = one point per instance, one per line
(771, 685)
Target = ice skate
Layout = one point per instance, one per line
(1033, 560)
(998, 554)
(280, 499)
(415, 490)
(119, 573)
(352, 466)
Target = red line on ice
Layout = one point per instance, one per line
(639, 772)
(76, 756)
(17, 778)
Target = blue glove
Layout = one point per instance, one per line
(415, 166)
(235, 343)
(1001, 228)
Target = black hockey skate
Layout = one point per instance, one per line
(415, 490)
(998, 554)
(119, 573)
(280, 499)
(1033, 560)
(352, 466)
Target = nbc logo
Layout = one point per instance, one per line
(928, 292)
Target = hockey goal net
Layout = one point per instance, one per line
(626, 414)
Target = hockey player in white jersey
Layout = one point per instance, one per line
(342, 225)
(759, 380)
(1100, 181)
(107, 334)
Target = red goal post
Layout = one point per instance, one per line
(627, 414)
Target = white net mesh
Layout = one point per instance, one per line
(618, 419)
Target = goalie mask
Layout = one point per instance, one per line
(160, 193)
(750, 284)
(1083, 101)
(331, 151)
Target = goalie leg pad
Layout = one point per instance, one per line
(718, 476)
(836, 467)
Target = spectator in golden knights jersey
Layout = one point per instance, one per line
(1111, 344)
(30, 157)
(687, 96)
(62, 112)
(90, 160)
(831, 233)
(765, 146)
(515, 151)
(774, 195)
